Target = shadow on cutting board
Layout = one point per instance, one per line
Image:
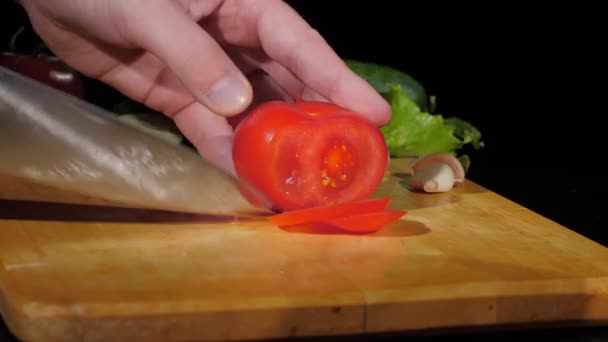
(51, 211)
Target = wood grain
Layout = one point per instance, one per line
(467, 258)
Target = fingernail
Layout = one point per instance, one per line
(230, 95)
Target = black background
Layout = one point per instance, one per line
(532, 80)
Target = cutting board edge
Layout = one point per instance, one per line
(50, 329)
(480, 328)
(362, 297)
(471, 313)
(566, 286)
(40, 309)
(281, 321)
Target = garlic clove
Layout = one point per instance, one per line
(438, 177)
(440, 158)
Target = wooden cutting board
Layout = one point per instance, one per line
(467, 258)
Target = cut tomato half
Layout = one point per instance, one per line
(366, 223)
(327, 213)
(309, 154)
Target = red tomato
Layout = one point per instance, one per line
(309, 154)
(361, 217)
(326, 213)
(366, 223)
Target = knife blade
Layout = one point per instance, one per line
(54, 139)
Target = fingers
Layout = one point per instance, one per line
(164, 29)
(303, 51)
(292, 84)
(256, 60)
(266, 89)
(210, 134)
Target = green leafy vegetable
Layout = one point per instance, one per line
(465, 131)
(465, 161)
(381, 77)
(415, 129)
(413, 132)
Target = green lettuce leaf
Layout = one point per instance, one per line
(466, 132)
(413, 132)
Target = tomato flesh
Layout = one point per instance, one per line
(325, 213)
(309, 154)
(366, 216)
(367, 222)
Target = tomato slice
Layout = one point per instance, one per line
(309, 154)
(366, 223)
(327, 213)
(366, 216)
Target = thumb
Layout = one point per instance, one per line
(165, 29)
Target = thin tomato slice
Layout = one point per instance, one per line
(326, 213)
(366, 223)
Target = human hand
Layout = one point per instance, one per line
(191, 59)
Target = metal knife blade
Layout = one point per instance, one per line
(54, 139)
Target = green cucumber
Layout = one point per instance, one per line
(381, 77)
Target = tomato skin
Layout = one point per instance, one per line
(309, 154)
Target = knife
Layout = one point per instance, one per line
(52, 139)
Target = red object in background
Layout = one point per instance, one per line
(53, 73)
(309, 154)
